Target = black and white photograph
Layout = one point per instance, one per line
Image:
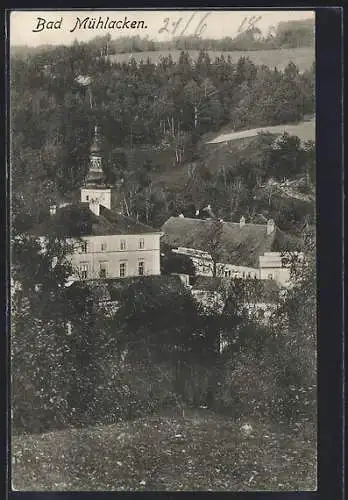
(163, 263)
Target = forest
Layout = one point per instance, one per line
(154, 119)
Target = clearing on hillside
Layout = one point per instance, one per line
(304, 130)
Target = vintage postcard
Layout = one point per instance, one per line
(163, 250)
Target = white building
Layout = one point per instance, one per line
(108, 244)
(241, 250)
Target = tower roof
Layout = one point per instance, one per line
(95, 174)
(96, 145)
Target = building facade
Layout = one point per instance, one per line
(242, 250)
(117, 256)
(106, 243)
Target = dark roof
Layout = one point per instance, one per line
(238, 245)
(77, 220)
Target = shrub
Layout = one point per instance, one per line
(270, 377)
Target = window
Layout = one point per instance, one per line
(84, 271)
(96, 163)
(123, 244)
(141, 243)
(103, 246)
(270, 276)
(103, 269)
(141, 268)
(243, 274)
(84, 247)
(87, 197)
(123, 270)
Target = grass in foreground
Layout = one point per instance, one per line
(202, 451)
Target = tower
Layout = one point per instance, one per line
(95, 175)
(95, 189)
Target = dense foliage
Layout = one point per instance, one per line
(71, 363)
(153, 118)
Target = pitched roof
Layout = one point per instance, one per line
(238, 245)
(77, 220)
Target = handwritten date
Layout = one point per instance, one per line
(172, 27)
(199, 25)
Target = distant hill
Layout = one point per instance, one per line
(303, 57)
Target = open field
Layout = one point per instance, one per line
(304, 130)
(302, 57)
(202, 451)
(223, 149)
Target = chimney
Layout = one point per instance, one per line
(94, 207)
(242, 222)
(53, 209)
(270, 226)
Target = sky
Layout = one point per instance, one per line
(210, 24)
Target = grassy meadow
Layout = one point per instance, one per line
(303, 57)
(202, 451)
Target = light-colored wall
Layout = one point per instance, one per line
(204, 265)
(101, 195)
(113, 254)
(271, 265)
(238, 271)
(280, 275)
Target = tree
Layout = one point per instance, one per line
(115, 165)
(294, 328)
(173, 263)
(284, 159)
(200, 97)
(310, 161)
(213, 245)
(39, 363)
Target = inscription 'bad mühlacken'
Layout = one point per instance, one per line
(89, 23)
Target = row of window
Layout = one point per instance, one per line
(103, 245)
(229, 274)
(104, 269)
